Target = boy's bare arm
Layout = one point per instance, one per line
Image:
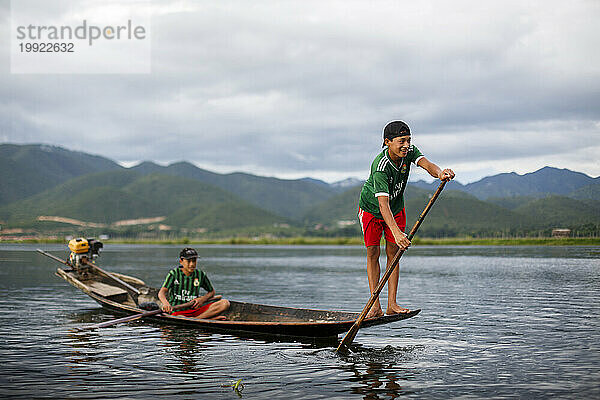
(203, 299)
(435, 171)
(162, 296)
(386, 212)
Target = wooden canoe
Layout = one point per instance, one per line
(243, 319)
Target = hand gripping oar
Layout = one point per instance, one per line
(347, 340)
(134, 317)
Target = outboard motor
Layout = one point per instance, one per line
(82, 251)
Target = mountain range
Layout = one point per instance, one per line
(541, 183)
(49, 181)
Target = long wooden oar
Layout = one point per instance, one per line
(114, 278)
(134, 317)
(347, 340)
(123, 284)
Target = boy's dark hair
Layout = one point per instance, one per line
(394, 129)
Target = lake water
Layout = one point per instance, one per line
(496, 322)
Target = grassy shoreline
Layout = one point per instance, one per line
(345, 241)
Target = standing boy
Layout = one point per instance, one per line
(381, 206)
(183, 284)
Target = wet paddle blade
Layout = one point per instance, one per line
(349, 338)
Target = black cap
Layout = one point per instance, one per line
(394, 129)
(188, 253)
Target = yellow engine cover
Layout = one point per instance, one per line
(79, 246)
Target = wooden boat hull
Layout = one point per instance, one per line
(243, 319)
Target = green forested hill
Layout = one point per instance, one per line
(458, 213)
(554, 211)
(74, 197)
(288, 198)
(102, 204)
(589, 192)
(40, 180)
(171, 193)
(510, 202)
(454, 212)
(29, 169)
(117, 195)
(222, 215)
(344, 206)
(341, 207)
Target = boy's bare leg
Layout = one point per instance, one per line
(393, 308)
(373, 275)
(215, 309)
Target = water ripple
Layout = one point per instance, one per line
(496, 322)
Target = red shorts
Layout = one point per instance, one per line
(373, 226)
(192, 312)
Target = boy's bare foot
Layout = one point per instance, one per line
(218, 317)
(375, 312)
(396, 309)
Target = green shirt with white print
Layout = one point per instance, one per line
(387, 179)
(183, 288)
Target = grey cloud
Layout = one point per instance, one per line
(308, 86)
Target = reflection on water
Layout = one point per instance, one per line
(184, 344)
(379, 373)
(496, 322)
(375, 382)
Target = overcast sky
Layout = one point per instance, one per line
(295, 89)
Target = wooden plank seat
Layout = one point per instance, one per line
(105, 290)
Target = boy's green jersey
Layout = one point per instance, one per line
(183, 288)
(387, 179)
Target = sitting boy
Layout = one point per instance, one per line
(183, 284)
